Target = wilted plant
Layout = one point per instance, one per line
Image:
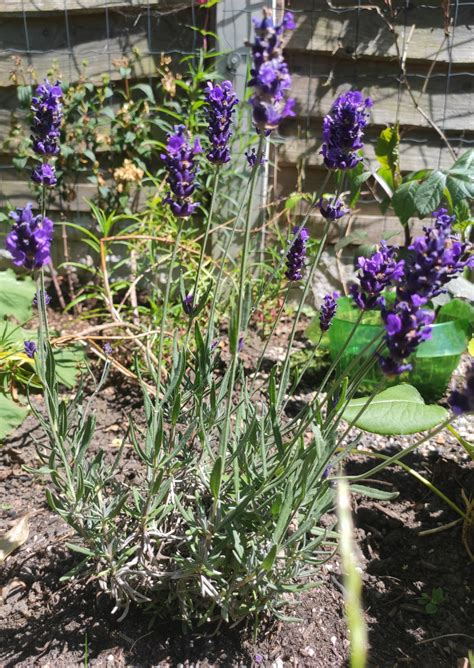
(224, 519)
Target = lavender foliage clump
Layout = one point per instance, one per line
(270, 76)
(30, 349)
(221, 102)
(462, 401)
(343, 130)
(328, 311)
(332, 209)
(29, 240)
(47, 116)
(180, 161)
(375, 275)
(297, 254)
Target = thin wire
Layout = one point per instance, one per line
(450, 39)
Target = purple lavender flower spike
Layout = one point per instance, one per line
(328, 311)
(240, 344)
(29, 240)
(180, 161)
(437, 257)
(297, 254)
(188, 303)
(343, 130)
(44, 174)
(375, 274)
(221, 100)
(462, 401)
(270, 76)
(332, 209)
(47, 116)
(405, 329)
(30, 349)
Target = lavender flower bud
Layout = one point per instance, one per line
(270, 76)
(47, 299)
(30, 238)
(328, 311)
(375, 274)
(343, 130)
(188, 303)
(180, 163)
(251, 156)
(44, 174)
(107, 348)
(221, 100)
(332, 209)
(297, 254)
(30, 349)
(47, 116)
(462, 401)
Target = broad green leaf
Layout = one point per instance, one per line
(471, 347)
(465, 162)
(387, 153)
(12, 415)
(429, 193)
(68, 364)
(398, 410)
(403, 201)
(460, 186)
(457, 309)
(16, 296)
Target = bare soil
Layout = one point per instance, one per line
(48, 622)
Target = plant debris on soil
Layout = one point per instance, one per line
(47, 621)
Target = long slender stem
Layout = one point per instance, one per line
(206, 234)
(240, 304)
(165, 306)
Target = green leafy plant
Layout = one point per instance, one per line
(432, 602)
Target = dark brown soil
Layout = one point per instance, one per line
(48, 622)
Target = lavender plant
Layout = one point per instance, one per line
(224, 521)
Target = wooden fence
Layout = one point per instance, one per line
(417, 64)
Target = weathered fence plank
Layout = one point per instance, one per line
(362, 32)
(34, 6)
(318, 81)
(90, 39)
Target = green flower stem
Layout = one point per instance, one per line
(207, 232)
(418, 476)
(165, 308)
(240, 304)
(395, 459)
